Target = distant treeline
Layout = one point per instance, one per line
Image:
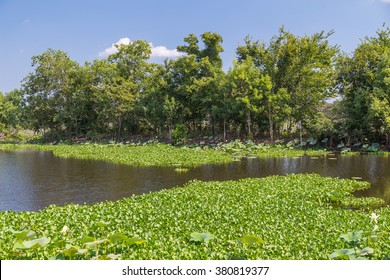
(271, 87)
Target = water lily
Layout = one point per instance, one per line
(374, 217)
(64, 230)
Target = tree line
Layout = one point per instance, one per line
(270, 88)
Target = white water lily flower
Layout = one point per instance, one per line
(64, 230)
(374, 217)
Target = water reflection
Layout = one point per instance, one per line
(31, 180)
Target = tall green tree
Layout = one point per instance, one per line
(158, 102)
(379, 110)
(49, 89)
(195, 78)
(363, 83)
(248, 87)
(116, 85)
(301, 70)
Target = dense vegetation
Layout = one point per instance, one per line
(157, 154)
(291, 217)
(272, 89)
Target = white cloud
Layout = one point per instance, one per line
(162, 51)
(386, 1)
(113, 49)
(158, 51)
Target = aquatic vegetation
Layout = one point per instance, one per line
(12, 147)
(249, 148)
(181, 170)
(27, 246)
(167, 155)
(357, 242)
(277, 217)
(141, 155)
(201, 237)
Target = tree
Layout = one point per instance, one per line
(379, 110)
(213, 48)
(11, 113)
(48, 91)
(248, 86)
(116, 85)
(194, 78)
(192, 47)
(160, 108)
(301, 71)
(363, 81)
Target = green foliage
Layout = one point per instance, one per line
(166, 155)
(270, 88)
(88, 247)
(248, 149)
(201, 237)
(248, 86)
(374, 147)
(140, 155)
(179, 134)
(278, 217)
(364, 83)
(354, 240)
(301, 74)
(251, 240)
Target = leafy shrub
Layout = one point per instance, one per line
(179, 133)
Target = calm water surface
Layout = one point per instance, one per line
(31, 180)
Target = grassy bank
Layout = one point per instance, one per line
(279, 217)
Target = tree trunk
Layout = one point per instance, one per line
(248, 119)
(76, 129)
(212, 125)
(271, 124)
(169, 124)
(224, 130)
(119, 129)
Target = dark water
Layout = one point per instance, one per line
(31, 180)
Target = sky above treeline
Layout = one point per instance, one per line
(87, 29)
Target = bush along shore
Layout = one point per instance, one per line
(278, 217)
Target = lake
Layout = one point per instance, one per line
(31, 180)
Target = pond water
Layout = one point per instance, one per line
(32, 180)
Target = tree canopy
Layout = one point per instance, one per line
(270, 88)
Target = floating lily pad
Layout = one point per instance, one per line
(203, 237)
(251, 239)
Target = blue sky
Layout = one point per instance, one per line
(85, 29)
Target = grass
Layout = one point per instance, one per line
(278, 217)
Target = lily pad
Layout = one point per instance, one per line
(32, 244)
(251, 239)
(203, 237)
(23, 234)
